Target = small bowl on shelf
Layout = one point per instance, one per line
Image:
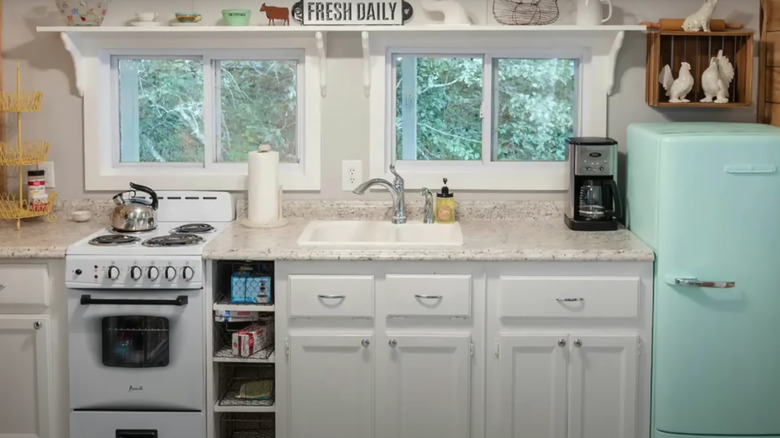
(83, 12)
(236, 17)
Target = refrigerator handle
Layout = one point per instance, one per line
(617, 200)
(693, 282)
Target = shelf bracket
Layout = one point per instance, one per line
(323, 52)
(617, 44)
(72, 47)
(366, 63)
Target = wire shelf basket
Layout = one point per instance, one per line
(223, 340)
(241, 425)
(31, 153)
(20, 102)
(13, 208)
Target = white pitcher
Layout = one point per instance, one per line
(589, 12)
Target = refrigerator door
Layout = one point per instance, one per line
(717, 347)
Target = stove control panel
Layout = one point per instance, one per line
(134, 272)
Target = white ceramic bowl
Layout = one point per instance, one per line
(80, 215)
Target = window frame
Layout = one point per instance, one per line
(591, 115)
(102, 169)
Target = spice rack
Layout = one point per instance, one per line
(696, 48)
(21, 154)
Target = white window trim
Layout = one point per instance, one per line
(593, 54)
(101, 168)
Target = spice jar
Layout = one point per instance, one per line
(36, 190)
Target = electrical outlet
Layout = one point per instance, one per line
(351, 174)
(48, 167)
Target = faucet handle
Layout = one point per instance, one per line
(398, 178)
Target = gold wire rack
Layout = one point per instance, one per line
(21, 102)
(31, 153)
(12, 207)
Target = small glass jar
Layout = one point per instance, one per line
(36, 190)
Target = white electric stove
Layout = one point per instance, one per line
(136, 307)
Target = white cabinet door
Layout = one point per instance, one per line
(427, 386)
(603, 386)
(24, 377)
(531, 387)
(331, 386)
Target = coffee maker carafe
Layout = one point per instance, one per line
(593, 200)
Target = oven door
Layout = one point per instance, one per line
(136, 350)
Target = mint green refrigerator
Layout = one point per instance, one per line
(706, 198)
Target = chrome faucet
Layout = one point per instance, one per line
(428, 208)
(396, 190)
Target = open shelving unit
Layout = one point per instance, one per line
(696, 48)
(237, 417)
(22, 154)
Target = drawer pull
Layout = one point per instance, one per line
(693, 282)
(331, 297)
(569, 300)
(428, 297)
(2, 286)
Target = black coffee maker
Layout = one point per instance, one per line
(593, 200)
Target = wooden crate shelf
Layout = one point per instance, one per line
(696, 48)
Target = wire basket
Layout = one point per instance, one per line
(24, 102)
(32, 153)
(241, 425)
(11, 208)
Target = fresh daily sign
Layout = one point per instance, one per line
(365, 12)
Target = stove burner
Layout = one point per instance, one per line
(113, 240)
(113, 230)
(193, 229)
(174, 240)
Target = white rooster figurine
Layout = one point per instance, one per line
(716, 79)
(678, 88)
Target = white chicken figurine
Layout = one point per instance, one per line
(678, 88)
(716, 79)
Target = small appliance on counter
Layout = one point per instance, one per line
(593, 200)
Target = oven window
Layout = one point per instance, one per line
(135, 341)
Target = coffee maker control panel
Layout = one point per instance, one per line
(595, 160)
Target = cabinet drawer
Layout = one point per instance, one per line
(346, 296)
(24, 285)
(569, 297)
(428, 295)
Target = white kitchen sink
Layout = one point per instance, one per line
(380, 233)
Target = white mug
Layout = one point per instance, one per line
(146, 16)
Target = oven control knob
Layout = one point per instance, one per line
(188, 273)
(113, 273)
(136, 273)
(170, 273)
(153, 273)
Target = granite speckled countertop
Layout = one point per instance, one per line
(493, 231)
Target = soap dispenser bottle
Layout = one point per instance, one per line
(445, 205)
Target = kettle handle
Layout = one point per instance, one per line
(617, 200)
(609, 15)
(148, 191)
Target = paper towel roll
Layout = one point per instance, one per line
(263, 186)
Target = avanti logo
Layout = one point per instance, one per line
(135, 388)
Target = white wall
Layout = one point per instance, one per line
(46, 66)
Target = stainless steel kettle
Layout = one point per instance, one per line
(135, 214)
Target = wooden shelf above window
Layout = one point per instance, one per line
(696, 48)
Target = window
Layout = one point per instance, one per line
(186, 119)
(530, 104)
(162, 100)
(488, 114)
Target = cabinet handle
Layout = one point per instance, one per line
(37, 325)
(561, 342)
(2, 286)
(332, 297)
(428, 297)
(392, 343)
(578, 342)
(366, 342)
(569, 300)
